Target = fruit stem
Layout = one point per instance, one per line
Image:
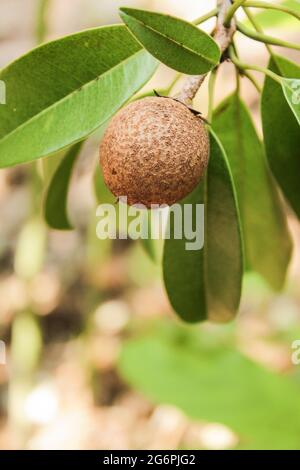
(271, 6)
(231, 12)
(223, 38)
(265, 38)
(206, 17)
(242, 66)
(190, 88)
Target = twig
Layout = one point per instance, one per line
(223, 37)
(231, 11)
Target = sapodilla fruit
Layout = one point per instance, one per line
(154, 151)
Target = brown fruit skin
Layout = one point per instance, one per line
(154, 151)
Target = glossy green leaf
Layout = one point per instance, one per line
(213, 382)
(176, 43)
(206, 284)
(282, 132)
(56, 198)
(62, 91)
(266, 238)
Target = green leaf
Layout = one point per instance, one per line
(215, 383)
(291, 90)
(56, 198)
(62, 91)
(282, 132)
(206, 284)
(176, 43)
(266, 238)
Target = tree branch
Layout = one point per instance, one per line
(222, 36)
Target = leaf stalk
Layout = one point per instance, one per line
(206, 17)
(243, 66)
(223, 37)
(257, 27)
(266, 38)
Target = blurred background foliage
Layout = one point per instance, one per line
(95, 357)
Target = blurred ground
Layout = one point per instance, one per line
(69, 303)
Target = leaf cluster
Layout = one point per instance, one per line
(65, 90)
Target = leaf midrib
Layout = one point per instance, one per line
(68, 96)
(178, 44)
